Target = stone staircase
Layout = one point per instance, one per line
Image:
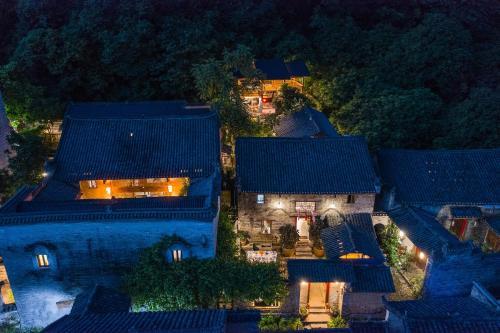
(303, 248)
(317, 318)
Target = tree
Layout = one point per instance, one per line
(28, 158)
(193, 283)
(390, 117)
(472, 122)
(227, 247)
(390, 244)
(216, 84)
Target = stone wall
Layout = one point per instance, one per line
(363, 305)
(81, 255)
(454, 274)
(280, 209)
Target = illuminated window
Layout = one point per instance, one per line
(150, 180)
(305, 206)
(176, 255)
(354, 255)
(42, 260)
(260, 198)
(92, 184)
(351, 199)
(135, 182)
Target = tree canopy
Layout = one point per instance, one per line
(410, 74)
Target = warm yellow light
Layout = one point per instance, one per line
(170, 188)
(44, 174)
(401, 234)
(108, 190)
(333, 205)
(303, 282)
(421, 255)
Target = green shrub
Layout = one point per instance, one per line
(277, 323)
(337, 322)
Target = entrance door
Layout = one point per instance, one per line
(318, 295)
(303, 226)
(458, 227)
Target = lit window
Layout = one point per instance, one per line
(42, 260)
(92, 184)
(170, 188)
(135, 182)
(260, 198)
(351, 199)
(176, 255)
(150, 180)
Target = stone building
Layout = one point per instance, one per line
(293, 180)
(124, 176)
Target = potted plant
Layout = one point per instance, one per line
(315, 236)
(289, 237)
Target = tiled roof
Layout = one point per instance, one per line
(303, 165)
(424, 230)
(55, 190)
(305, 123)
(100, 300)
(273, 69)
(462, 326)
(277, 69)
(465, 211)
(10, 206)
(460, 177)
(369, 327)
(446, 314)
(115, 140)
(494, 223)
(4, 132)
(373, 279)
(443, 308)
(363, 278)
(319, 270)
(113, 205)
(354, 234)
(297, 68)
(202, 321)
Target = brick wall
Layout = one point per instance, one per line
(85, 254)
(363, 305)
(280, 208)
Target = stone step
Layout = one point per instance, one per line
(317, 318)
(318, 310)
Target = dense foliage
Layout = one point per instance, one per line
(402, 73)
(194, 283)
(227, 247)
(273, 323)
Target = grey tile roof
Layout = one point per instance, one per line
(443, 308)
(494, 223)
(273, 69)
(465, 212)
(312, 270)
(115, 140)
(446, 314)
(363, 278)
(436, 326)
(369, 327)
(202, 321)
(425, 231)
(4, 132)
(373, 279)
(55, 190)
(305, 123)
(100, 299)
(304, 165)
(355, 234)
(460, 177)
